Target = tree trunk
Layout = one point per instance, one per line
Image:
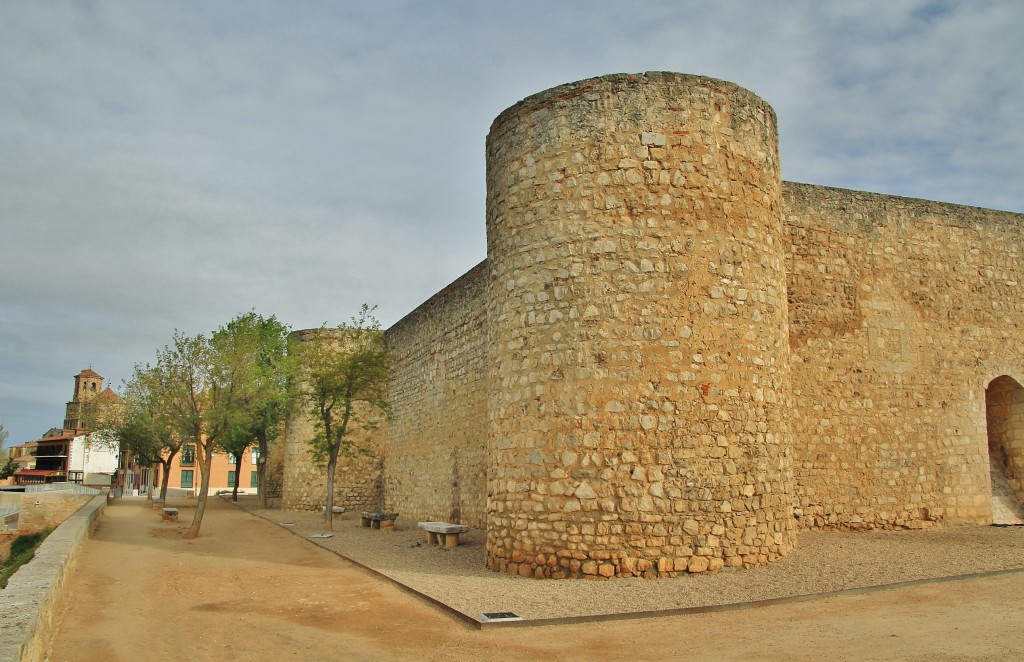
(261, 470)
(152, 481)
(165, 478)
(205, 460)
(332, 464)
(238, 476)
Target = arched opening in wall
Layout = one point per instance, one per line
(1004, 415)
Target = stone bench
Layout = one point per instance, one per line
(443, 533)
(169, 514)
(370, 520)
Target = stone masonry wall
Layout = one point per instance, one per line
(436, 458)
(356, 481)
(34, 598)
(901, 313)
(639, 350)
(45, 510)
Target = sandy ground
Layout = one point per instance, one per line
(822, 563)
(247, 589)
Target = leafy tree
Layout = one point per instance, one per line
(216, 390)
(342, 385)
(214, 385)
(5, 455)
(261, 343)
(142, 425)
(202, 387)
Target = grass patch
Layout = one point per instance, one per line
(23, 550)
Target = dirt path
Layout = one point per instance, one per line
(247, 590)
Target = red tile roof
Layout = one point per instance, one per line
(67, 436)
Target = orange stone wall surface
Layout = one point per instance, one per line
(639, 347)
(902, 312)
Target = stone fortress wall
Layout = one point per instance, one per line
(902, 313)
(439, 391)
(672, 361)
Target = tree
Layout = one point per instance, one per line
(215, 389)
(215, 385)
(142, 425)
(3, 436)
(342, 384)
(262, 345)
(202, 388)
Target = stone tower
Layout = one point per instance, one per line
(88, 385)
(638, 340)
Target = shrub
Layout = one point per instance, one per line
(23, 550)
(28, 541)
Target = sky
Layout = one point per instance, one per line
(167, 166)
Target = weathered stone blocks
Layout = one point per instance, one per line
(905, 317)
(653, 271)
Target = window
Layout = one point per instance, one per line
(231, 479)
(231, 458)
(188, 456)
(252, 479)
(186, 478)
(255, 455)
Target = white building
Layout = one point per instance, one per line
(93, 459)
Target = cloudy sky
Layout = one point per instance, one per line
(169, 165)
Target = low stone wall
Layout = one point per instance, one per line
(31, 603)
(71, 488)
(45, 510)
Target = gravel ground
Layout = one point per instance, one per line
(822, 562)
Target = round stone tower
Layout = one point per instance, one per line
(637, 415)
